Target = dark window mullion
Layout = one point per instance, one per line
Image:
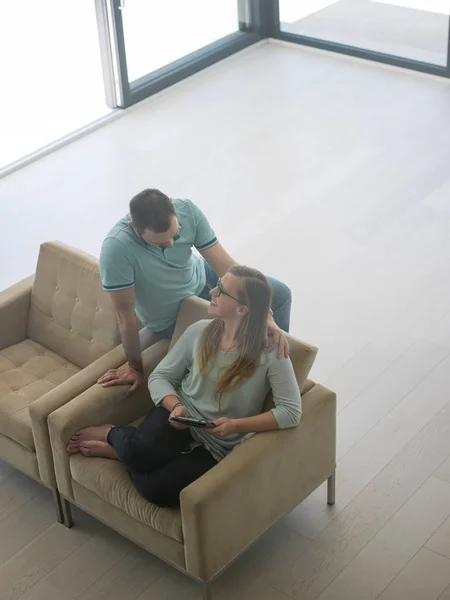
(264, 17)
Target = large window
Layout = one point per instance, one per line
(159, 33)
(51, 73)
(409, 33)
(148, 45)
(64, 65)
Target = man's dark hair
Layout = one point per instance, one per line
(151, 209)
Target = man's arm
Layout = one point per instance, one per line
(123, 301)
(218, 258)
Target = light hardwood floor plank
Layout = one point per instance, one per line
(31, 564)
(424, 578)
(445, 594)
(401, 377)
(440, 541)
(381, 444)
(394, 545)
(271, 593)
(172, 586)
(307, 575)
(25, 524)
(443, 471)
(83, 567)
(366, 367)
(248, 578)
(15, 491)
(127, 579)
(440, 332)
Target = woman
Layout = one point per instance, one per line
(219, 371)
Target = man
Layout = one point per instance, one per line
(148, 266)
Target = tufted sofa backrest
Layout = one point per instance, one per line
(70, 313)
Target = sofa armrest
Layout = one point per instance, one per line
(42, 407)
(259, 482)
(95, 406)
(14, 309)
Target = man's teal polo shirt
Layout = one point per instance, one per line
(162, 277)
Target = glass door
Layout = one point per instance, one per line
(148, 45)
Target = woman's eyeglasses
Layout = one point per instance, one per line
(220, 290)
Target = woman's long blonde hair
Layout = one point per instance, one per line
(254, 292)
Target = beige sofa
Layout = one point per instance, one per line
(252, 488)
(58, 334)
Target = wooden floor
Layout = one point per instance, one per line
(332, 174)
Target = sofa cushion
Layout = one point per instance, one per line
(109, 480)
(27, 372)
(70, 313)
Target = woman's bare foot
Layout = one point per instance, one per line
(97, 448)
(99, 433)
(73, 446)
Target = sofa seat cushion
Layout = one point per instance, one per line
(109, 480)
(27, 372)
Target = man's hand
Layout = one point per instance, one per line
(122, 376)
(223, 428)
(279, 339)
(178, 411)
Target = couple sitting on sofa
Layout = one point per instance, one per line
(219, 371)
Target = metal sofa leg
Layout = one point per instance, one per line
(207, 593)
(58, 508)
(67, 513)
(331, 489)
